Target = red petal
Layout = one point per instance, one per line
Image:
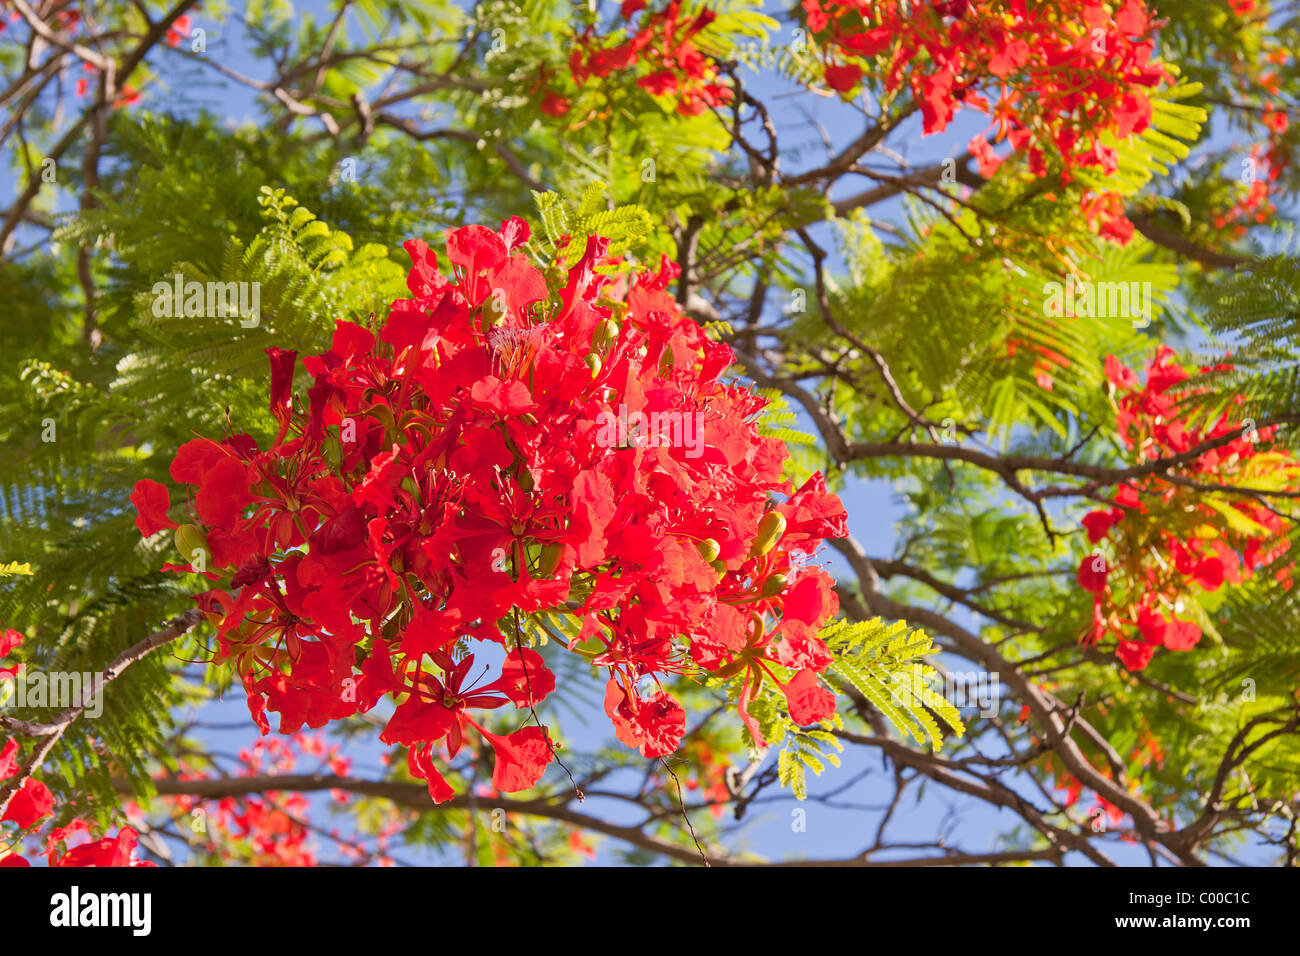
(31, 803)
(808, 700)
(151, 501)
(521, 758)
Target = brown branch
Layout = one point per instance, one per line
(53, 731)
(1184, 246)
(416, 796)
(1045, 710)
(929, 176)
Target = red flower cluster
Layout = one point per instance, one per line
(671, 64)
(178, 32)
(509, 442)
(109, 851)
(1261, 173)
(33, 802)
(1055, 74)
(269, 828)
(1174, 540)
(1256, 77)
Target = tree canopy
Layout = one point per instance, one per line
(575, 429)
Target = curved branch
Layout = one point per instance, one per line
(51, 733)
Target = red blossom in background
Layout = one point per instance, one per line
(459, 466)
(662, 52)
(1173, 541)
(1053, 77)
(179, 31)
(1255, 79)
(270, 828)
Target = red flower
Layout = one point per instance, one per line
(521, 758)
(128, 97)
(9, 641)
(655, 725)
(108, 852)
(1092, 573)
(813, 514)
(1153, 625)
(1182, 635)
(843, 78)
(1135, 655)
(8, 759)
(178, 31)
(554, 104)
(808, 700)
(663, 83)
(1009, 58)
(151, 502)
(282, 363)
(1119, 375)
(508, 444)
(1099, 523)
(223, 494)
(31, 803)
(1174, 547)
(437, 709)
(673, 65)
(984, 155)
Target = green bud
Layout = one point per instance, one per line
(494, 309)
(605, 333)
(593, 363)
(774, 585)
(709, 549)
(189, 538)
(770, 530)
(549, 560)
(332, 451)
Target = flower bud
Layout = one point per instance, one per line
(189, 539)
(770, 530)
(593, 363)
(773, 585)
(332, 451)
(494, 309)
(604, 334)
(549, 560)
(709, 549)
